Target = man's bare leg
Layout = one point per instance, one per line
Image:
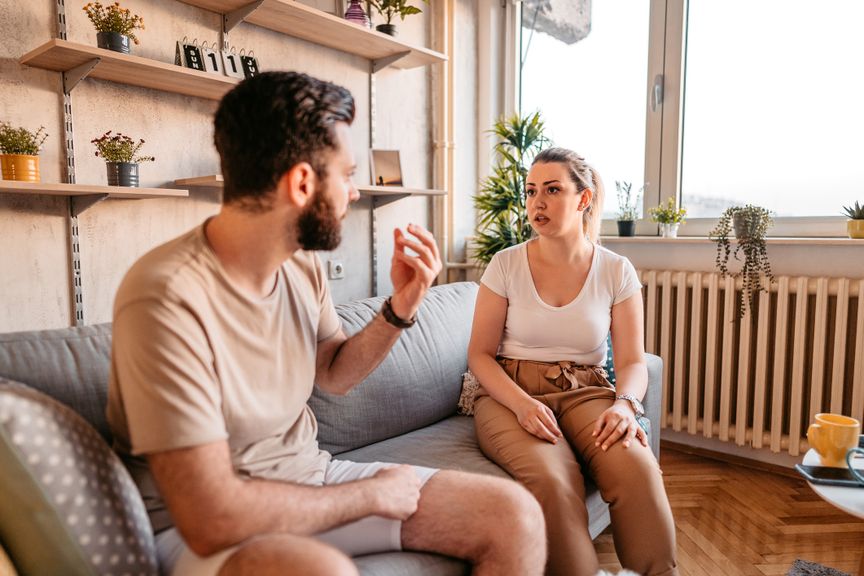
(492, 522)
(287, 555)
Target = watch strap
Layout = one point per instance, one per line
(635, 403)
(393, 319)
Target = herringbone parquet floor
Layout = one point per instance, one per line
(739, 521)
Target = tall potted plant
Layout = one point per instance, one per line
(19, 152)
(390, 8)
(121, 158)
(855, 224)
(115, 26)
(628, 207)
(750, 224)
(502, 216)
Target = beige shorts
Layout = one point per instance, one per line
(365, 536)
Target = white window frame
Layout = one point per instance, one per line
(664, 125)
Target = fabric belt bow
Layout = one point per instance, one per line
(598, 375)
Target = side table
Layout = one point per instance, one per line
(850, 500)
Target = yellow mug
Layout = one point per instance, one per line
(832, 436)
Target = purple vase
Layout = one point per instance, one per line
(355, 14)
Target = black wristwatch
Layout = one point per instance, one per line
(393, 319)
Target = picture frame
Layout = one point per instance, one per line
(386, 167)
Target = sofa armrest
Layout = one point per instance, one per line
(654, 398)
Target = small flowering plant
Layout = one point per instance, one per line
(668, 213)
(119, 148)
(113, 18)
(628, 203)
(21, 140)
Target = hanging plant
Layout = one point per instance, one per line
(750, 225)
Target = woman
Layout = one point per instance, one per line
(545, 408)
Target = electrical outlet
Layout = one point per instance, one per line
(335, 269)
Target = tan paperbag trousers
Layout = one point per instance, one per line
(629, 479)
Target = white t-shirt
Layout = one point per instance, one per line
(577, 331)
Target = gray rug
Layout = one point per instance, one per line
(805, 568)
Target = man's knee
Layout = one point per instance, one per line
(518, 511)
(288, 555)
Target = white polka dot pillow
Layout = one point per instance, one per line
(67, 504)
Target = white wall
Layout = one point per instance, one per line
(34, 272)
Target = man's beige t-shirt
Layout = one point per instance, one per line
(195, 360)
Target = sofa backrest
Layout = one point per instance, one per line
(69, 364)
(416, 385)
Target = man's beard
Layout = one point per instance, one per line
(318, 227)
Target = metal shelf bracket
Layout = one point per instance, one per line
(72, 77)
(233, 18)
(381, 63)
(82, 203)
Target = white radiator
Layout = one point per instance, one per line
(757, 381)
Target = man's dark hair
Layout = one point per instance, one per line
(271, 122)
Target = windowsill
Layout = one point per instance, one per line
(772, 241)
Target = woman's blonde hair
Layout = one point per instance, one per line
(584, 176)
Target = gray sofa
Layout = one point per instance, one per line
(404, 412)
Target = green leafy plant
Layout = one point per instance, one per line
(668, 213)
(628, 204)
(113, 18)
(21, 140)
(390, 8)
(502, 216)
(855, 212)
(119, 148)
(750, 224)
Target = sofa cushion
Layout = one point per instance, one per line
(70, 365)
(416, 385)
(84, 514)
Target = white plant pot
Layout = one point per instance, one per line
(669, 230)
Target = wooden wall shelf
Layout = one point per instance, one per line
(64, 56)
(15, 187)
(383, 194)
(84, 196)
(301, 21)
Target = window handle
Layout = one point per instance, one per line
(657, 92)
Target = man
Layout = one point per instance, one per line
(219, 336)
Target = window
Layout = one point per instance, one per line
(715, 103)
(586, 72)
(773, 110)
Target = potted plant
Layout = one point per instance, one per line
(115, 26)
(669, 216)
(120, 154)
(19, 152)
(390, 8)
(628, 207)
(750, 224)
(855, 224)
(502, 218)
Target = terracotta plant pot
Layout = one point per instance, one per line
(21, 167)
(626, 227)
(389, 29)
(122, 174)
(114, 41)
(855, 228)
